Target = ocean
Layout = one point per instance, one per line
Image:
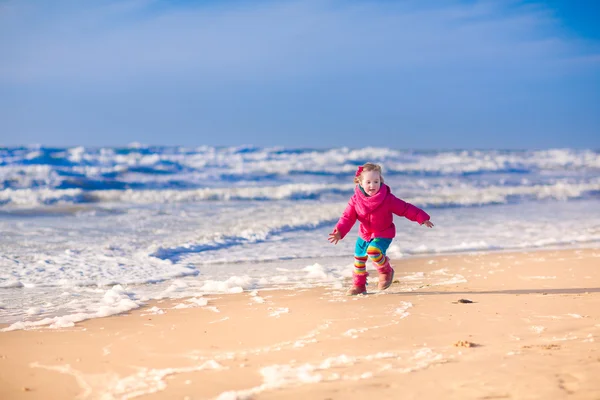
(91, 232)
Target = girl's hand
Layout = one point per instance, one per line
(334, 237)
(428, 223)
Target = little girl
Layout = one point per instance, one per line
(373, 205)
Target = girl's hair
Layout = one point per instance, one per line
(367, 167)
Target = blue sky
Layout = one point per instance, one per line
(313, 73)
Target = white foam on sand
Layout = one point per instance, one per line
(336, 368)
(78, 303)
(256, 298)
(568, 336)
(445, 277)
(414, 277)
(404, 305)
(235, 284)
(304, 342)
(115, 300)
(192, 303)
(111, 385)
(153, 311)
(219, 320)
(150, 380)
(353, 333)
(416, 280)
(276, 312)
(538, 329)
(397, 315)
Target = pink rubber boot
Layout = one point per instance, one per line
(386, 276)
(359, 285)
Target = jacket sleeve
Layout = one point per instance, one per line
(347, 219)
(407, 210)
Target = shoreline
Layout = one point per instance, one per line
(531, 331)
(293, 286)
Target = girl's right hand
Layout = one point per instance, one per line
(428, 224)
(334, 237)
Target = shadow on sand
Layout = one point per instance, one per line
(509, 291)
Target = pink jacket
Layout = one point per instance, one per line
(376, 214)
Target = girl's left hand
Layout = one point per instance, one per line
(428, 223)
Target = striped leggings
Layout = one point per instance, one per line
(374, 249)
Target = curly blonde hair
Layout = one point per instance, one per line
(367, 167)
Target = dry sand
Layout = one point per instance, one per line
(532, 331)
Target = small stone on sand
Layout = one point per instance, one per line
(465, 343)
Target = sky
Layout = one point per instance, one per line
(419, 74)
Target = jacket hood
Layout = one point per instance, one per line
(366, 204)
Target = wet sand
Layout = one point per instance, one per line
(530, 331)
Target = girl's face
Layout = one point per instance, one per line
(371, 182)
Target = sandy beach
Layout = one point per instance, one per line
(514, 326)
